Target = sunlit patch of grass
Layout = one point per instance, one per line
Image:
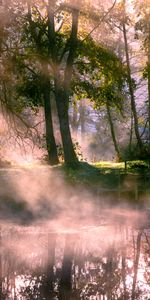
(109, 164)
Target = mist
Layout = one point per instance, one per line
(72, 226)
(57, 236)
(63, 228)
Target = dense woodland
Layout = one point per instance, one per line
(83, 66)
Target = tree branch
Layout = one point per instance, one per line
(101, 20)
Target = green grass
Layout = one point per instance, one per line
(107, 175)
(135, 167)
(91, 176)
(109, 164)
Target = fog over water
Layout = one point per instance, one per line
(63, 242)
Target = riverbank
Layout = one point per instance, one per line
(35, 193)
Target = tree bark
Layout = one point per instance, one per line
(50, 139)
(148, 70)
(62, 87)
(112, 131)
(133, 105)
(62, 108)
(131, 134)
(74, 121)
(69, 152)
(1, 292)
(129, 77)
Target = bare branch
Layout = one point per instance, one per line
(101, 20)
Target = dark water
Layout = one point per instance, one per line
(110, 261)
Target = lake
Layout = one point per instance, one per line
(62, 243)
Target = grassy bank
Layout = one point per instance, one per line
(110, 176)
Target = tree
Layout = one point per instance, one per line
(122, 21)
(44, 79)
(56, 63)
(103, 81)
(50, 139)
(142, 32)
(130, 82)
(49, 47)
(60, 43)
(12, 103)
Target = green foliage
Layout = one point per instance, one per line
(131, 153)
(30, 87)
(138, 164)
(102, 75)
(146, 71)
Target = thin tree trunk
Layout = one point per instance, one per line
(50, 139)
(74, 121)
(131, 134)
(131, 90)
(148, 68)
(112, 131)
(149, 105)
(82, 120)
(1, 265)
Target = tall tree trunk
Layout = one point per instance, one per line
(112, 131)
(50, 139)
(148, 68)
(62, 108)
(64, 91)
(1, 264)
(131, 90)
(62, 87)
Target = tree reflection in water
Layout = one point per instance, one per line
(96, 263)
